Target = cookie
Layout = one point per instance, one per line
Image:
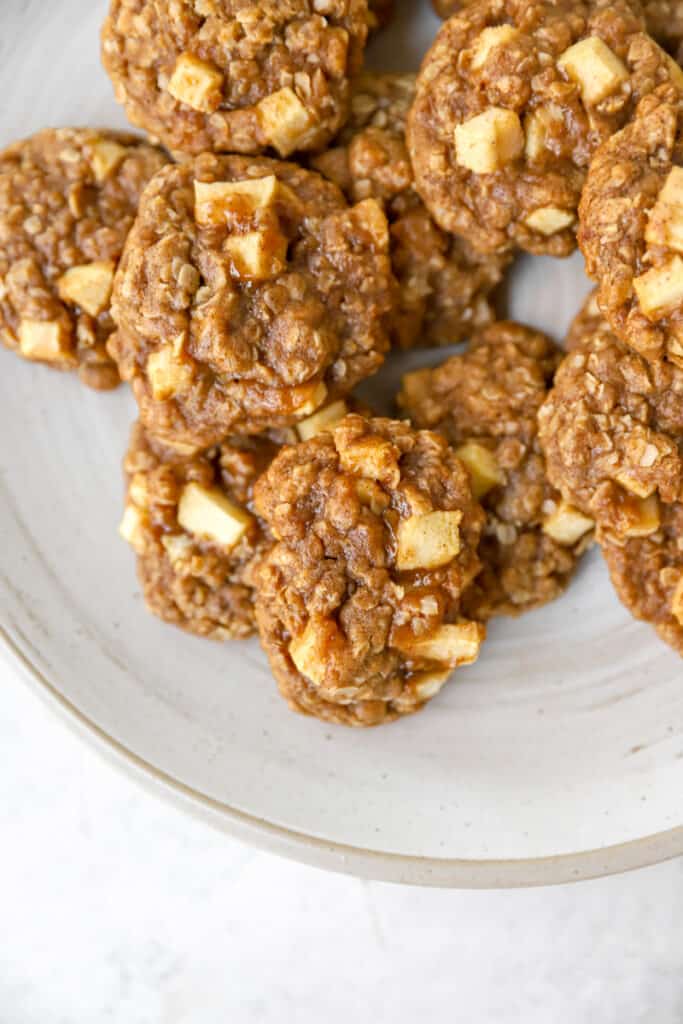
(663, 19)
(444, 285)
(249, 295)
(485, 402)
(235, 75)
(647, 574)
(612, 432)
(358, 602)
(512, 101)
(68, 198)
(631, 231)
(190, 521)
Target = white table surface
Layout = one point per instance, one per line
(115, 907)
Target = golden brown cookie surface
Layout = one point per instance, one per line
(234, 75)
(68, 198)
(485, 402)
(248, 296)
(376, 533)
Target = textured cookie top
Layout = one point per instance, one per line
(512, 100)
(249, 293)
(67, 201)
(444, 283)
(485, 402)
(191, 522)
(663, 19)
(632, 228)
(612, 432)
(234, 75)
(358, 602)
(647, 573)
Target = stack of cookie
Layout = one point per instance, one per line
(290, 221)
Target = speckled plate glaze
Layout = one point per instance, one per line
(558, 756)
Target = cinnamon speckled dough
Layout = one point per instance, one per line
(490, 395)
(260, 314)
(628, 230)
(444, 284)
(513, 176)
(663, 19)
(358, 601)
(647, 573)
(189, 580)
(67, 201)
(235, 75)
(612, 432)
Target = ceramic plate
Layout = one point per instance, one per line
(559, 755)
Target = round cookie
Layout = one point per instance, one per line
(647, 574)
(235, 75)
(249, 294)
(444, 284)
(190, 521)
(485, 402)
(612, 432)
(68, 198)
(663, 19)
(358, 602)
(631, 230)
(512, 100)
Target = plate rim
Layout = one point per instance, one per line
(447, 872)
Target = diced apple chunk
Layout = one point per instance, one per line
(88, 286)
(178, 547)
(105, 157)
(132, 526)
(372, 496)
(286, 123)
(485, 473)
(537, 128)
(427, 684)
(46, 341)
(660, 290)
(322, 420)
(634, 485)
(168, 372)
(489, 141)
(677, 601)
(369, 215)
(258, 255)
(196, 83)
(311, 397)
(310, 650)
(646, 518)
(373, 458)
(214, 201)
(453, 644)
(597, 71)
(567, 525)
(548, 220)
(665, 222)
(207, 513)
(428, 541)
(488, 40)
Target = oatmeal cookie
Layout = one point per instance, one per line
(248, 295)
(512, 101)
(647, 573)
(68, 198)
(190, 521)
(588, 321)
(358, 602)
(235, 75)
(485, 402)
(443, 283)
(612, 432)
(663, 19)
(631, 230)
